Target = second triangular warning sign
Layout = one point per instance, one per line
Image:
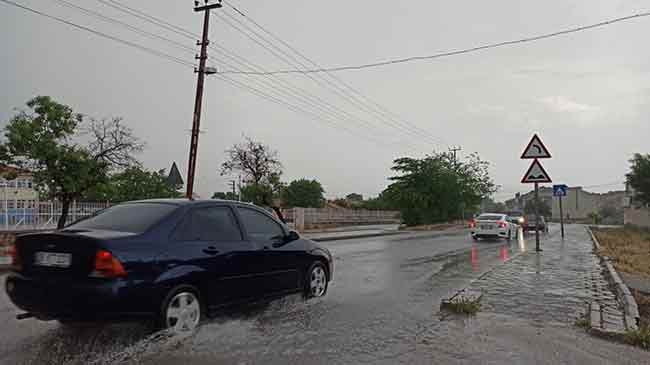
(536, 174)
(536, 149)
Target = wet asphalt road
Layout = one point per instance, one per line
(382, 307)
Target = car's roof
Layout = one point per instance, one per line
(183, 201)
(492, 214)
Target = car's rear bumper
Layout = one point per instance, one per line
(486, 234)
(92, 299)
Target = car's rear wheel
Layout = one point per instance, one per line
(181, 310)
(509, 235)
(316, 280)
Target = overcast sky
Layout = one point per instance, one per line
(586, 94)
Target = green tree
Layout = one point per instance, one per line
(303, 193)
(354, 197)
(229, 195)
(47, 140)
(134, 183)
(261, 170)
(435, 188)
(639, 177)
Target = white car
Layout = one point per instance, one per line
(492, 225)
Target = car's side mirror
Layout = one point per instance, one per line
(292, 236)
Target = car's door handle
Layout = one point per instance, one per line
(211, 250)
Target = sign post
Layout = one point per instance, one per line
(536, 174)
(560, 191)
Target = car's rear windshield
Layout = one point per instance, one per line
(490, 217)
(133, 218)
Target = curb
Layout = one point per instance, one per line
(349, 237)
(630, 308)
(396, 233)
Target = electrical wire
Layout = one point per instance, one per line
(126, 25)
(310, 98)
(103, 35)
(345, 95)
(451, 53)
(188, 64)
(347, 89)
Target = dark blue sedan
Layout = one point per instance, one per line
(172, 260)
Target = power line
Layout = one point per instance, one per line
(311, 98)
(291, 107)
(346, 87)
(450, 53)
(101, 34)
(346, 93)
(125, 25)
(149, 18)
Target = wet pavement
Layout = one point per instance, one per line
(555, 285)
(382, 307)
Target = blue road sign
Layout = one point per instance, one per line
(560, 190)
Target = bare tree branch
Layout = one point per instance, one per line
(114, 143)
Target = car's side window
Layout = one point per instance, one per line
(259, 226)
(211, 224)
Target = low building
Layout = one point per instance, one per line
(577, 204)
(18, 189)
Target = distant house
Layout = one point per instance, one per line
(18, 189)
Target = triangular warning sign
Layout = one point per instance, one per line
(536, 149)
(536, 174)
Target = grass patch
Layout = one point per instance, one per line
(639, 337)
(464, 305)
(628, 247)
(583, 323)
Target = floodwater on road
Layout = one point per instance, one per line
(381, 307)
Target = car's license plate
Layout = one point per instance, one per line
(53, 259)
(486, 226)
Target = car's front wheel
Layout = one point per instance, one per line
(181, 310)
(316, 281)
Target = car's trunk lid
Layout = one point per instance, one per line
(59, 254)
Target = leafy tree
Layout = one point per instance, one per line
(544, 209)
(304, 193)
(639, 177)
(47, 140)
(134, 183)
(435, 188)
(260, 167)
(354, 197)
(229, 195)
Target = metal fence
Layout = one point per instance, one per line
(44, 215)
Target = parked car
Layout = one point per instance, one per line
(492, 225)
(529, 223)
(172, 260)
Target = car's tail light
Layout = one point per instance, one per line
(107, 266)
(12, 252)
(502, 224)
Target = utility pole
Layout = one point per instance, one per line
(561, 217)
(234, 194)
(537, 249)
(201, 71)
(454, 150)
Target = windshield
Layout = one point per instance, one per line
(489, 217)
(133, 218)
